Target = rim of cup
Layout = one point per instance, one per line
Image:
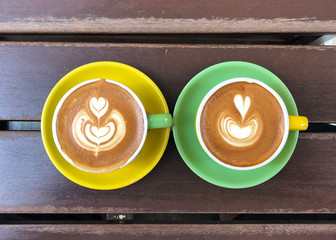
(66, 95)
(248, 80)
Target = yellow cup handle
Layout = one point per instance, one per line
(298, 123)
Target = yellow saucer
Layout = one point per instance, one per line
(156, 141)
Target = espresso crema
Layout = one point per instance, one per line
(242, 124)
(99, 126)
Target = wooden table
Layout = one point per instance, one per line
(170, 41)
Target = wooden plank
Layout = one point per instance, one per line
(31, 184)
(170, 232)
(182, 38)
(175, 16)
(30, 70)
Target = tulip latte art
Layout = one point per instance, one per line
(99, 126)
(96, 136)
(240, 133)
(242, 124)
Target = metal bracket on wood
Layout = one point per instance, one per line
(119, 217)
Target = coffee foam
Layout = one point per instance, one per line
(243, 132)
(94, 135)
(100, 126)
(241, 124)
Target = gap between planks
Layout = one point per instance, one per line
(314, 127)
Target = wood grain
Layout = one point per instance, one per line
(183, 16)
(30, 70)
(171, 231)
(31, 184)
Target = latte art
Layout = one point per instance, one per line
(100, 126)
(92, 134)
(243, 132)
(241, 124)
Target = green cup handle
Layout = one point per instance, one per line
(163, 120)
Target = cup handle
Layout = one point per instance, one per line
(163, 120)
(298, 123)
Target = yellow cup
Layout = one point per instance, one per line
(298, 123)
(290, 122)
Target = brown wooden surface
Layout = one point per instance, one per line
(29, 183)
(175, 16)
(30, 70)
(171, 232)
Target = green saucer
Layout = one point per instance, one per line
(185, 133)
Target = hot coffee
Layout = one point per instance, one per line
(242, 124)
(99, 126)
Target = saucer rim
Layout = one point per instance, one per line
(179, 106)
(56, 94)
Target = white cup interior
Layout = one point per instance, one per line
(248, 80)
(60, 103)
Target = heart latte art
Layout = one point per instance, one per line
(242, 124)
(240, 132)
(99, 126)
(94, 135)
